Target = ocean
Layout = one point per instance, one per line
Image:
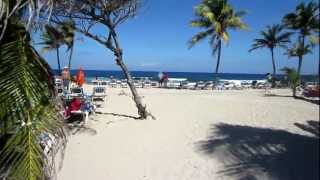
(191, 76)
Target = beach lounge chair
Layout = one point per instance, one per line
(191, 85)
(58, 82)
(76, 92)
(209, 86)
(147, 84)
(79, 107)
(113, 83)
(312, 92)
(124, 84)
(103, 83)
(137, 84)
(47, 142)
(200, 85)
(95, 82)
(154, 84)
(99, 96)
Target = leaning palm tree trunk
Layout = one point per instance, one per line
(58, 60)
(137, 99)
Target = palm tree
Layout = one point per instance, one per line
(28, 108)
(293, 79)
(305, 21)
(216, 17)
(52, 39)
(315, 41)
(299, 50)
(68, 31)
(271, 38)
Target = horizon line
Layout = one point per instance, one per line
(185, 72)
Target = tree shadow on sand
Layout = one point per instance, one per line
(120, 115)
(250, 153)
(76, 126)
(310, 100)
(311, 127)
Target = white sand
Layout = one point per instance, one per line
(121, 148)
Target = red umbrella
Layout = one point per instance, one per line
(80, 79)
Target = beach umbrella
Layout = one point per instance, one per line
(80, 79)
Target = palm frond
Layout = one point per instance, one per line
(304, 19)
(218, 15)
(200, 23)
(292, 75)
(199, 37)
(298, 50)
(27, 109)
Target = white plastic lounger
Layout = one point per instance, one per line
(99, 95)
(76, 92)
(124, 84)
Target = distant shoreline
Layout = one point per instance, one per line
(74, 70)
(191, 76)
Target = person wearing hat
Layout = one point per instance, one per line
(66, 77)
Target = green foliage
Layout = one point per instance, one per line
(51, 38)
(299, 49)
(271, 37)
(292, 77)
(216, 17)
(67, 30)
(304, 19)
(27, 107)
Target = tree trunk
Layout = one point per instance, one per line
(299, 65)
(273, 63)
(58, 60)
(294, 92)
(70, 57)
(137, 99)
(218, 61)
(301, 57)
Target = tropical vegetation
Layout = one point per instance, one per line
(28, 105)
(55, 37)
(292, 78)
(304, 21)
(271, 38)
(107, 14)
(28, 109)
(216, 17)
(52, 39)
(298, 50)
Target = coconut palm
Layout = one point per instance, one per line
(272, 37)
(52, 39)
(68, 32)
(299, 50)
(315, 41)
(27, 108)
(216, 17)
(304, 20)
(293, 79)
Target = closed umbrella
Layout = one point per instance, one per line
(80, 79)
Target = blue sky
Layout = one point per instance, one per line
(156, 40)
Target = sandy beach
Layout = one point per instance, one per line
(236, 134)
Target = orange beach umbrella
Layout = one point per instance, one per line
(80, 79)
